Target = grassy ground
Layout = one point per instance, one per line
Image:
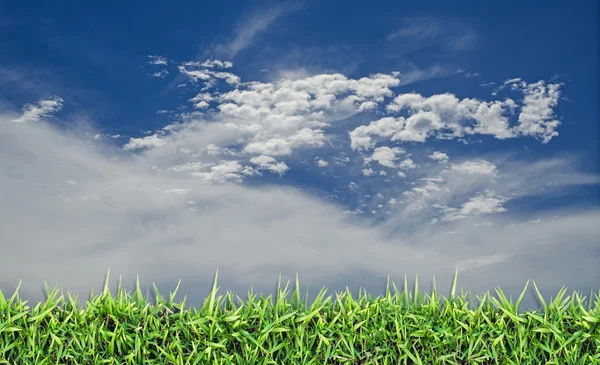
(403, 328)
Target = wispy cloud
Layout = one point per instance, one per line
(256, 23)
(245, 34)
(421, 74)
(160, 74)
(448, 39)
(426, 31)
(158, 60)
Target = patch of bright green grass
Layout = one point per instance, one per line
(395, 329)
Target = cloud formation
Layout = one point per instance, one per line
(43, 109)
(174, 204)
(444, 116)
(427, 31)
(278, 119)
(255, 23)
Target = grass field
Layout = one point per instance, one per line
(399, 328)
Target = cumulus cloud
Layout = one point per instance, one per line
(202, 100)
(385, 156)
(322, 163)
(485, 203)
(537, 116)
(407, 164)
(368, 172)
(444, 116)
(224, 171)
(281, 117)
(269, 163)
(445, 111)
(439, 156)
(271, 119)
(144, 142)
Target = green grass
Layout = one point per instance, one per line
(403, 328)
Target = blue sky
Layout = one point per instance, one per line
(344, 144)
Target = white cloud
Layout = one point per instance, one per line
(160, 74)
(407, 164)
(276, 118)
(427, 31)
(144, 142)
(217, 64)
(446, 111)
(537, 117)
(101, 206)
(224, 172)
(360, 138)
(368, 172)
(274, 146)
(420, 30)
(476, 167)
(385, 156)
(202, 100)
(195, 75)
(443, 116)
(269, 163)
(322, 163)
(367, 105)
(446, 117)
(420, 74)
(483, 204)
(439, 156)
(255, 24)
(195, 166)
(157, 60)
(512, 81)
(207, 75)
(471, 188)
(202, 105)
(42, 109)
